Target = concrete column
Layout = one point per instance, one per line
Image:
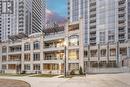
(81, 46)
(59, 68)
(108, 52)
(7, 56)
(22, 58)
(31, 56)
(0, 57)
(89, 55)
(128, 52)
(41, 54)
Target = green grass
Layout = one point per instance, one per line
(43, 75)
(70, 76)
(15, 74)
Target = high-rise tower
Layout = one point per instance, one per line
(21, 16)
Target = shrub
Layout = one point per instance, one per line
(80, 71)
(72, 72)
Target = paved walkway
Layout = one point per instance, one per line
(13, 83)
(100, 80)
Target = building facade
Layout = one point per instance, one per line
(106, 30)
(96, 38)
(44, 53)
(21, 16)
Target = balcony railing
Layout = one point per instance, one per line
(54, 35)
(53, 58)
(54, 46)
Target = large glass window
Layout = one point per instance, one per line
(4, 49)
(102, 37)
(73, 54)
(36, 45)
(103, 52)
(74, 40)
(27, 67)
(4, 58)
(112, 52)
(36, 57)
(27, 57)
(4, 66)
(36, 66)
(123, 51)
(93, 53)
(51, 67)
(26, 47)
(73, 66)
(75, 11)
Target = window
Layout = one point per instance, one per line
(102, 37)
(123, 51)
(74, 40)
(27, 67)
(4, 58)
(112, 52)
(4, 49)
(51, 67)
(26, 57)
(73, 54)
(26, 47)
(73, 66)
(4, 66)
(36, 66)
(36, 57)
(85, 53)
(93, 53)
(103, 53)
(36, 45)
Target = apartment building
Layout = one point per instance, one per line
(106, 32)
(21, 16)
(44, 53)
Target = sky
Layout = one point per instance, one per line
(58, 6)
(57, 11)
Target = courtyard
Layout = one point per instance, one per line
(95, 80)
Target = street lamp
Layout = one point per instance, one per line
(65, 48)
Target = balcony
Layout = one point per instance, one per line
(93, 18)
(54, 45)
(73, 27)
(53, 36)
(122, 37)
(52, 48)
(122, 11)
(121, 2)
(121, 31)
(92, 41)
(121, 19)
(53, 58)
(92, 35)
(122, 25)
(122, 6)
(92, 1)
(93, 24)
(15, 49)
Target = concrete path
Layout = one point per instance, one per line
(100, 80)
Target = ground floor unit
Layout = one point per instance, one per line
(107, 57)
